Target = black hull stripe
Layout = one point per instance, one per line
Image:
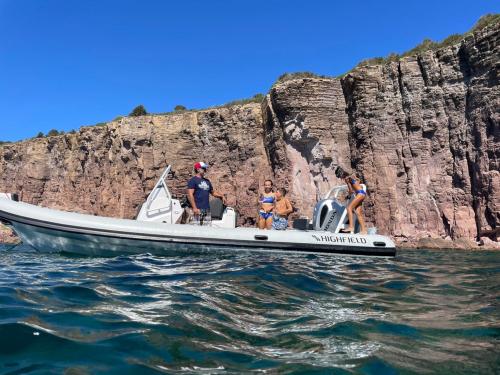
(304, 247)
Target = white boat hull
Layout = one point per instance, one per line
(49, 230)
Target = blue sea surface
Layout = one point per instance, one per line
(422, 312)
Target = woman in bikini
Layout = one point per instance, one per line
(354, 186)
(266, 206)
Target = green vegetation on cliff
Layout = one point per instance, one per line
(54, 132)
(138, 111)
(257, 98)
(484, 21)
(180, 108)
(297, 75)
(430, 45)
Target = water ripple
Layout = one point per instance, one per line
(426, 311)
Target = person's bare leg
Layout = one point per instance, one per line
(349, 215)
(262, 223)
(352, 206)
(269, 223)
(361, 219)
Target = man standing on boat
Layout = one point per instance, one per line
(199, 189)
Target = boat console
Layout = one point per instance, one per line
(161, 207)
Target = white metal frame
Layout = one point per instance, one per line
(161, 185)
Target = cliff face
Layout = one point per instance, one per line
(422, 132)
(306, 137)
(109, 170)
(425, 134)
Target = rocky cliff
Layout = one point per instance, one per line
(109, 170)
(423, 132)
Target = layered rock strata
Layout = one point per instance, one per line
(422, 132)
(109, 170)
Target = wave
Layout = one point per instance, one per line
(423, 311)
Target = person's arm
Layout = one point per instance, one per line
(190, 195)
(349, 185)
(289, 208)
(216, 194)
(191, 186)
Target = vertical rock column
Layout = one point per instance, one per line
(424, 135)
(306, 137)
(478, 61)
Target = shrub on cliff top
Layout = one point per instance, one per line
(179, 108)
(138, 111)
(297, 75)
(52, 133)
(426, 45)
(40, 135)
(257, 98)
(484, 21)
(449, 41)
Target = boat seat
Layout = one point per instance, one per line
(301, 224)
(216, 208)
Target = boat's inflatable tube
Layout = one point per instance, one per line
(52, 230)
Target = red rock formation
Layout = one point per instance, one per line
(425, 135)
(422, 132)
(307, 135)
(109, 170)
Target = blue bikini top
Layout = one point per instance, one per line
(353, 181)
(267, 200)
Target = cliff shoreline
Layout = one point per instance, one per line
(422, 132)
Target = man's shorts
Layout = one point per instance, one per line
(204, 218)
(279, 223)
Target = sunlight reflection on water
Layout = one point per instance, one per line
(424, 310)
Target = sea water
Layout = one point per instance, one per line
(432, 312)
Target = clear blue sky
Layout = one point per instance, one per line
(68, 63)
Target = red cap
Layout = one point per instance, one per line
(200, 165)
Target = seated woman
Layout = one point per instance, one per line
(354, 186)
(266, 202)
(282, 209)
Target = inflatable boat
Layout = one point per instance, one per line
(157, 229)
